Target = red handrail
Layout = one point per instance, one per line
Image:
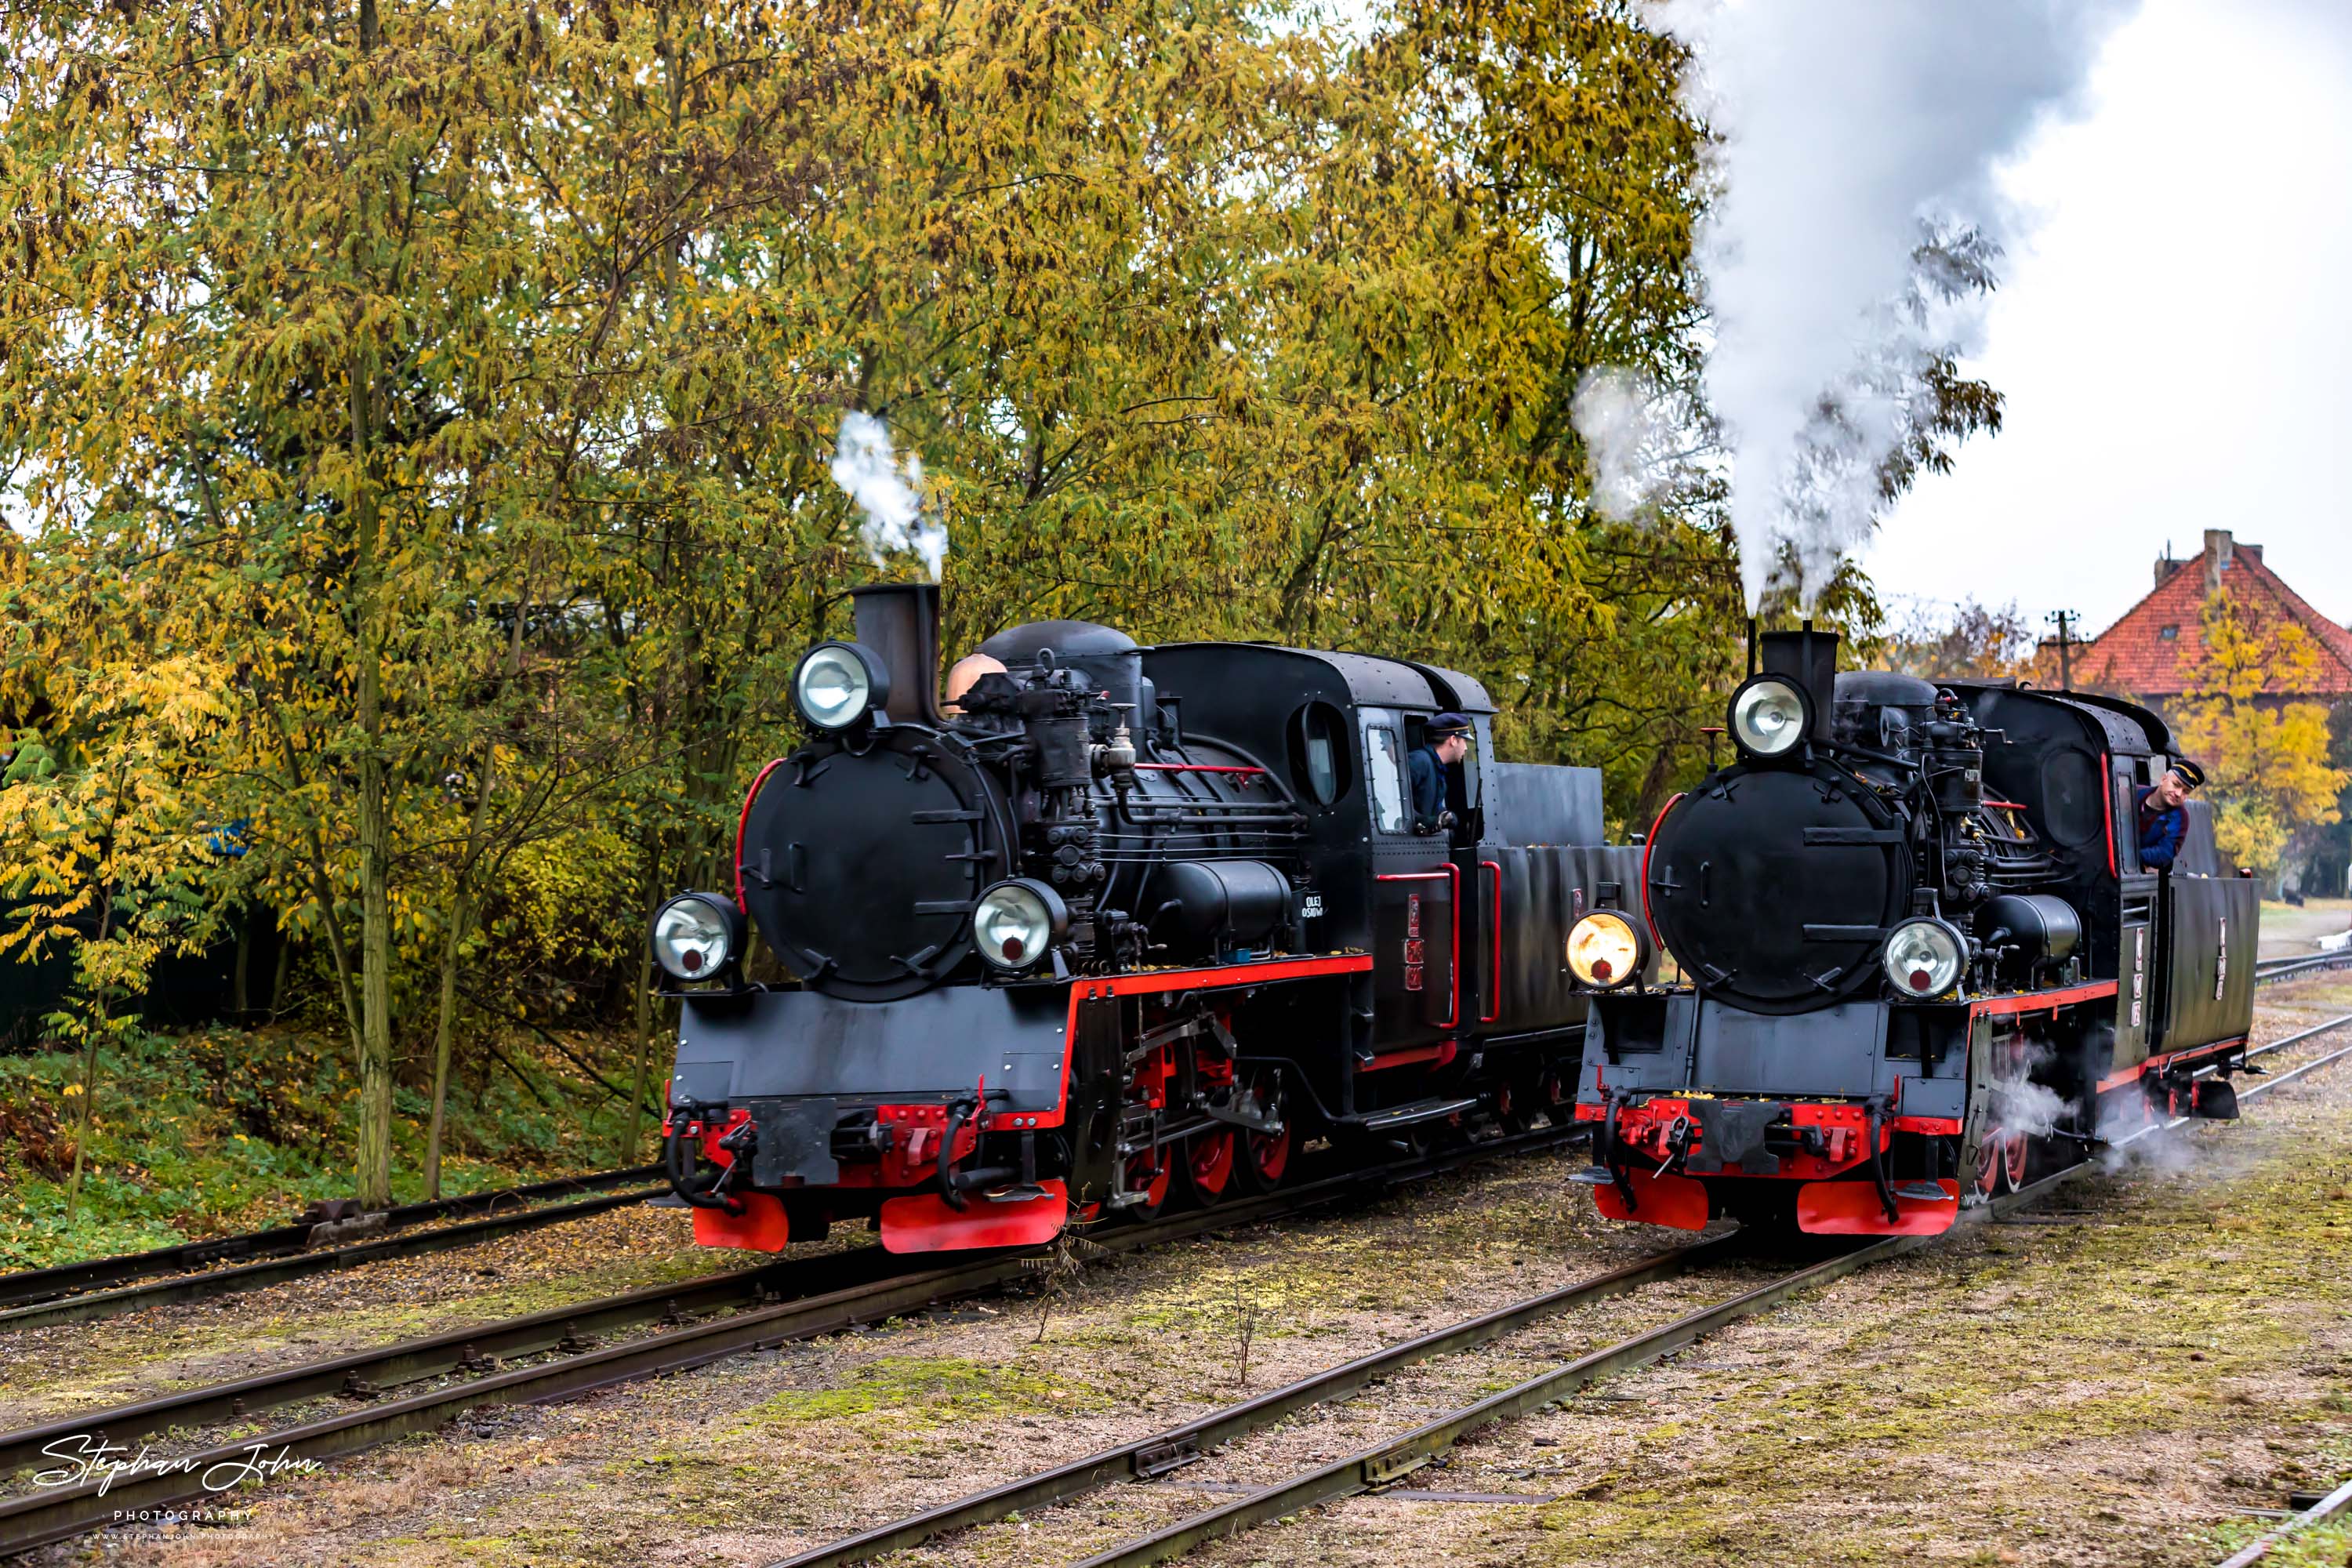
(1649, 843)
(1494, 941)
(744, 820)
(1451, 875)
(1194, 768)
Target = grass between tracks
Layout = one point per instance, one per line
(218, 1129)
(2077, 1391)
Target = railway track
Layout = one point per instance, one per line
(758, 1308)
(101, 1288)
(1163, 1452)
(759, 1322)
(76, 1291)
(2333, 1505)
(2276, 969)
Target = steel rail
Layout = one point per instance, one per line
(1148, 1456)
(65, 1279)
(1385, 1462)
(301, 1265)
(60, 1511)
(2286, 968)
(2327, 1508)
(37, 1285)
(85, 1282)
(466, 1350)
(1163, 1451)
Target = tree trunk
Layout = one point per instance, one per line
(89, 1069)
(284, 971)
(460, 914)
(645, 1045)
(89, 1098)
(239, 993)
(372, 1175)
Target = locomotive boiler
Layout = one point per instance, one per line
(1917, 951)
(1124, 923)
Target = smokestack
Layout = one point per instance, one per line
(900, 622)
(1808, 658)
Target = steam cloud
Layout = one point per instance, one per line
(2021, 1105)
(889, 494)
(1850, 128)
(1624, 430)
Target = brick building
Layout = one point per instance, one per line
(2152, 654)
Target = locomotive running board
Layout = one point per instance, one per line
(1409, 1115)
(924, 1223)
(1853, 1208)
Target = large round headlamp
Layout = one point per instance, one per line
(696, 935)
(838, 683)
(1607, 949)
(1924, 957)
(1768, 716)
(1015, 923)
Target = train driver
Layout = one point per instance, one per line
(1444, 744)
(2164, 815)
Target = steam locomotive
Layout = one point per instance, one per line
(1918, 952)
(1124, 922)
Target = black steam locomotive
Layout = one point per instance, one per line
(1917, 950)
(1123, 921)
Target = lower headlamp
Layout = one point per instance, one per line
(1015, 923)
(1607, 949)
(697, 935)
(1925, 957)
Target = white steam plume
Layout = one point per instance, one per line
(1847, 127)
(1627, 437)
(891, 496)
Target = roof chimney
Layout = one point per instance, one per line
(2217, 556)
(2165, 566)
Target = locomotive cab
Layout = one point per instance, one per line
(1918, 952)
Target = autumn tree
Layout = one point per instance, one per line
(2266, 760)
(1963, 641)
(262, 296)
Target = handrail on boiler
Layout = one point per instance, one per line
(1452, 875)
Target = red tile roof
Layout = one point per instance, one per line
(2136, 657)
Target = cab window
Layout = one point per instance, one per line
(1319, 764)
(1384, 775)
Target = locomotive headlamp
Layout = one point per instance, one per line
(1768, 716)
(1015, 923)
(1606, 949)
(838, 683)
(1923, 958)
(696, 935)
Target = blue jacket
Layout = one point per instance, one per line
(1428, 785)
(2160, 835)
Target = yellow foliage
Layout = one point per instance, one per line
(2265, 760)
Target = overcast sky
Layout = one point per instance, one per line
(2176, 341)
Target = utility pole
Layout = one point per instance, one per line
(2065, 661)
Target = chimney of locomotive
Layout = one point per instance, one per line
(1808, 658)
(900, 623)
